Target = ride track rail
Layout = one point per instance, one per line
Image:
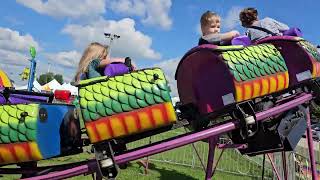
(210, 133)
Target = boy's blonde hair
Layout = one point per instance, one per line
(93, 51)
(208, 17)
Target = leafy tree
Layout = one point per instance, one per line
(59, 78)
(47, 77)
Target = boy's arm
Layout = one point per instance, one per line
(108, 60)
(228, 36)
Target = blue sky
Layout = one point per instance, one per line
(153, 32)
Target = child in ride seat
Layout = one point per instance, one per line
(258, 29)
(93, 61)
(210, 27)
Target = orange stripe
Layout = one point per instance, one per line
(13, 152)
(261, 86)
(285, 80)
(96, 132)
(243, 91)
(164, 113)
(269, 87)
(28, 150)
(107, 121)
(123, 124)
(149, 113)
(252, 89)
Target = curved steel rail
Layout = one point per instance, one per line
(91, 165)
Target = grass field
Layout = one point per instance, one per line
(174, 164)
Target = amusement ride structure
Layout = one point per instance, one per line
(251, 93)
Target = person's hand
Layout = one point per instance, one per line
(235, 33)
(128, 62)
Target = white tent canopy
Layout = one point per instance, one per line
(36, 87)
(51, 86)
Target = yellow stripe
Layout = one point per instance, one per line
(131, 124)
(170, 112)
(273, 84)
(287, 78)
(103, 130)
(157, 116)
(21, 153)
(256, 89)
(91, 134)
(248, 91)
(36, 154)
(144, 120)
(117, 127)
(239, 93)
(6, 155)
(280, 82)
(265, 87)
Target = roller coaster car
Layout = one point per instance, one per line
(237, 81)
(32, 128)
(123, 107)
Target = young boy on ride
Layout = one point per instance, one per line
(259, 29)
(94, 60)
(210, 27)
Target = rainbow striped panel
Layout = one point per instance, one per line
(261, 86)
(126, 104)
(19, 152)
(129, 123)
(30, 138)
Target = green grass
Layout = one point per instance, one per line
(182, 155)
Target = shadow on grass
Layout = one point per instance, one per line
(169, 174)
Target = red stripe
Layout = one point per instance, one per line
(12, 151)
(95, 131)
(285, 79)
(164, 113)
(28, 150)
(269, 89)
(149, 113)
(123, 123)
(108, 122)
(136, 119)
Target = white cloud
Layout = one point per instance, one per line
(66, 8)
(169, 67)
(14, 53)
(152, 12)
(132, 42)
(232, 19)
(12, 40)
(68, 59)
(14, 47)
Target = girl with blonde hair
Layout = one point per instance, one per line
(93, 61)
